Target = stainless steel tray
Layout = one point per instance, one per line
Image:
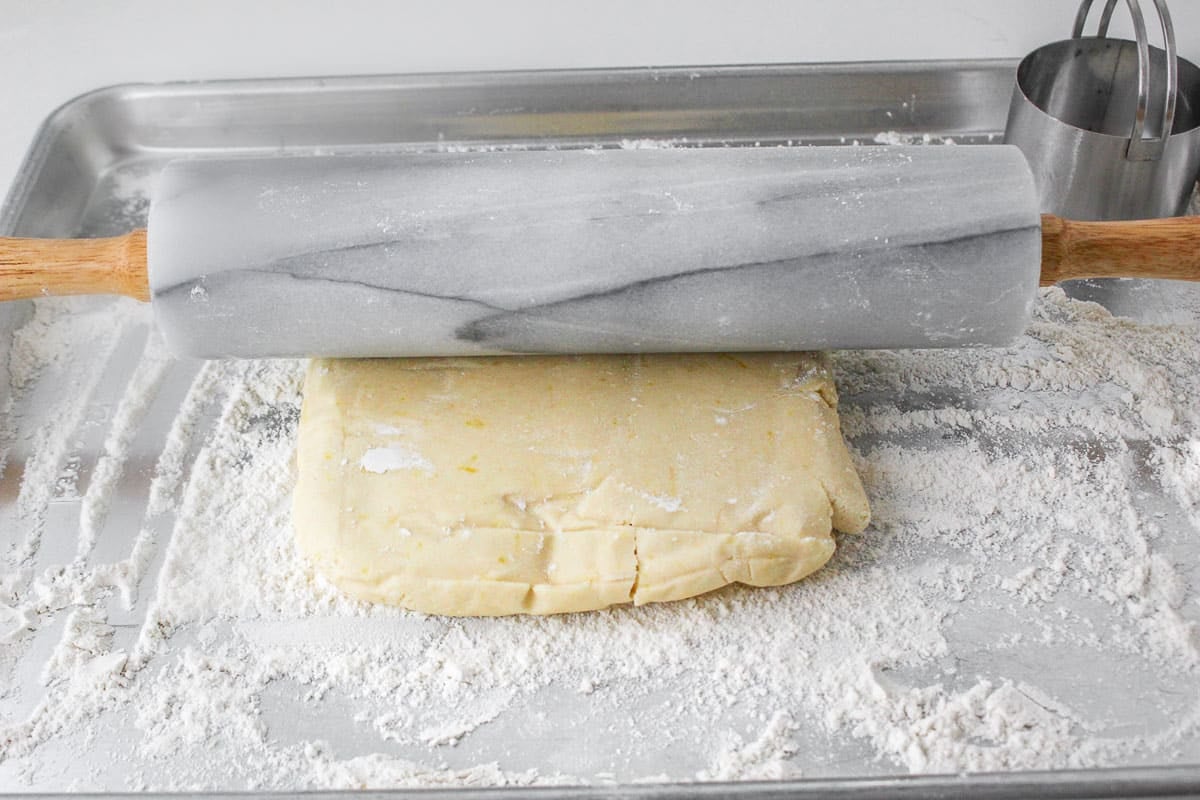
(86, 175)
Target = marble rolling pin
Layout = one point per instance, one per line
(597, 251)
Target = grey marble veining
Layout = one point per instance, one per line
(595, 251)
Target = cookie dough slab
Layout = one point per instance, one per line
(540, 485)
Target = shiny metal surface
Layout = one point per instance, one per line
(76, 181)
(810, 103)
(1103, 126)
(1141, 147)
(1098, 784)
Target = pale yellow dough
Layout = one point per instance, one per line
(542, 485)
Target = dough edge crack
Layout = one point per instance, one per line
(751, 558)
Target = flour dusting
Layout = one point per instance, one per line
(1026, 597)
(393, 457)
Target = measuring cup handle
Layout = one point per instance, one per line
(1143, 248)
(1141, 147)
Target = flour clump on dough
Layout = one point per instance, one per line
(542, 485)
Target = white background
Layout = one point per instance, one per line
(52, 50)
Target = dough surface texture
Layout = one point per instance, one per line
(540, 485)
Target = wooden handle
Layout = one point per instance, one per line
(1143, 248)
(40, 267)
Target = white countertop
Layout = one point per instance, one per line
(53, 50)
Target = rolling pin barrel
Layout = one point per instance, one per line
(595, 251)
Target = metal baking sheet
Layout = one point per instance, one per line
(76, 182)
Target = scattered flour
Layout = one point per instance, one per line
(766, 758)
(1026, 597)
(895, 137)
(393, 457)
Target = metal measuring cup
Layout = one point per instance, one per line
(1110, 127)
